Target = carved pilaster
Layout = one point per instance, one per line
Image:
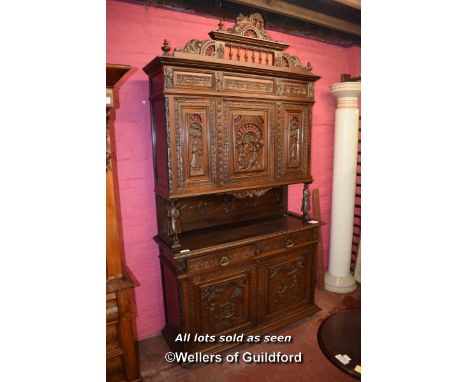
(179, 146)
(168, 77)
(218, 81)
(168, 143)
(279, 140)
(310, 89)
(220, 139)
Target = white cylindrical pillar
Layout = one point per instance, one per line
(338, 278)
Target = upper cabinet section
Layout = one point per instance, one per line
(230, 113)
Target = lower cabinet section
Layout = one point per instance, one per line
(252, 288)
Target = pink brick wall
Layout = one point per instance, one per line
(134, 37)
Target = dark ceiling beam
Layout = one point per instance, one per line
(295, 11)
(356, 4)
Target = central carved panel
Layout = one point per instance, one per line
(249, 142)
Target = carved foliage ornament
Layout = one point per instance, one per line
(203, 47)
(250, 193)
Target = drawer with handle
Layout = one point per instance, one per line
(221, 259)
(287, 241)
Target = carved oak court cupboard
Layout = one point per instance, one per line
(231, 123)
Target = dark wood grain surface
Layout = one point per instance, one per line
(341, 334)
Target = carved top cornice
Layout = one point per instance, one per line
(245, 44)
(248, 30)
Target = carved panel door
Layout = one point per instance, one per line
(293, 141)
(285, 283)
(193, 133)
(224, 302)
(251, 152)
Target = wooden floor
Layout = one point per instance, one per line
(315, 367)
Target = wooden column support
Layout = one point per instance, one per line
(305, 202)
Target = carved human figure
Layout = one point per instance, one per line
(174, 226)
(305, 202)
(249, 147)
(197, 152)
(294, 145)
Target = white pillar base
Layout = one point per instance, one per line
(340, 284)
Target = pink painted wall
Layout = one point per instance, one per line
(134, 37)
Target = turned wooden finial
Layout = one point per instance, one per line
(220, 24)
(309, 67)
(166, 48)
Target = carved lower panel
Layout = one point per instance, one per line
(286, 284)
(223, 305)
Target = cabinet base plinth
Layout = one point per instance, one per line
(340, 284)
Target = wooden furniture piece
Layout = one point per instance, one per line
(121, 354)
(231, 123)
(341, 334)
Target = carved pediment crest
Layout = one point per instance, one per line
(246, 41)
(252, 26)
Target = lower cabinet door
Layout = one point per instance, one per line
(224, 301)
(285, 283)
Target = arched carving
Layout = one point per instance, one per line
(252, 26)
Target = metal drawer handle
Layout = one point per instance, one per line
(224, 261)
(289, 243)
